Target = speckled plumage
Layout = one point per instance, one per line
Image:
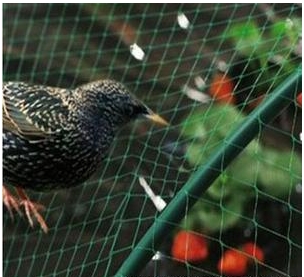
(56, 138)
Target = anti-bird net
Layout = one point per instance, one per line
(204, 68)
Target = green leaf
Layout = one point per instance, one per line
(222, 118)
(241, 175)
(204, 123)
(215, 217)
(246, 37)
(207, 130)
(220, 187)
(195, 154)
(296, 30)
(243, 171)
(279, 29)
(290, 28)
(280, 172)
(193, 126)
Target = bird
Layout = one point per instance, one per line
(56, 138)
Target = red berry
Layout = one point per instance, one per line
(221, 88)
(299, 99)
(253, 250)
(233, 263)
(188, 246)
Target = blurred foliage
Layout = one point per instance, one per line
(258, 169)
(266, 55)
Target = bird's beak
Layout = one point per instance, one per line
(156, 119)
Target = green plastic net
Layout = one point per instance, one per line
(206, 68)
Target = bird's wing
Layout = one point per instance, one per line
(32, 111)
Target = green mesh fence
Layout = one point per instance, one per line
(227, 78)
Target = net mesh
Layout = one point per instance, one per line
(203, 67)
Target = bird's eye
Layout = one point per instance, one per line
(129, 111)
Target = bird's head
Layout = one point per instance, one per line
(114, 102)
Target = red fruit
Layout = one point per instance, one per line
(221, 88)
(299, 99)
(253, 250)
(233, 263)
(189, 247)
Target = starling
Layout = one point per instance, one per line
(56, 138)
